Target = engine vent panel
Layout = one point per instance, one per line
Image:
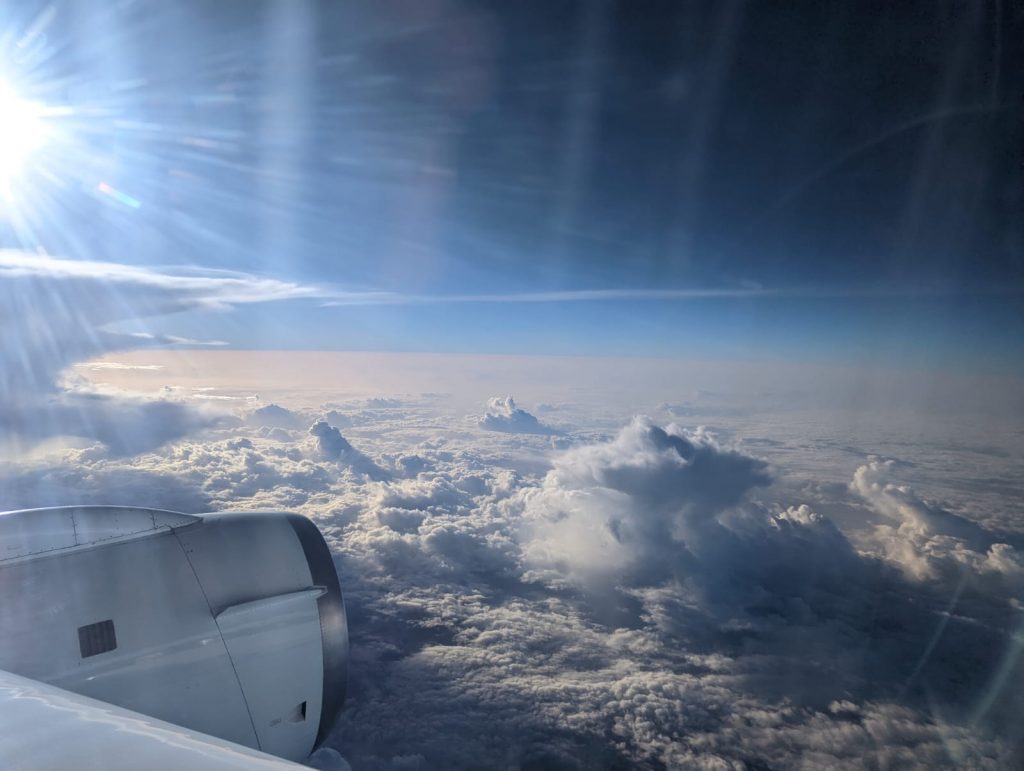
(97, 638)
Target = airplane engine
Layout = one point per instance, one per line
(230, 624)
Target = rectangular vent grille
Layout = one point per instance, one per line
(97, 638)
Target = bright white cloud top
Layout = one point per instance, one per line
(503, 415)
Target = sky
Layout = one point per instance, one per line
(653, 370)
(810, 183)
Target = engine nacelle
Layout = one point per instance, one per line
(231, 624)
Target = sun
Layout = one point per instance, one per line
(23, 131)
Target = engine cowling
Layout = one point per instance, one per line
(232, 624)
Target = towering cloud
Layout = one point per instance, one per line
(333, 446)
(274, 416)
(330, 442)
(641, 506)
(503, 415)
(927, 542)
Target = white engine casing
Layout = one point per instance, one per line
(229, 624)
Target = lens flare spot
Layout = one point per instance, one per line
(117, 195)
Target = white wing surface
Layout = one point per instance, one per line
(46, 727)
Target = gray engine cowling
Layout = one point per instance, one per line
(231, 624)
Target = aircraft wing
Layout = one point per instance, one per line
(46, 727)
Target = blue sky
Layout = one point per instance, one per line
(938, 333)
(849, 187)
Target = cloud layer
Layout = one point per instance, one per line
(656, 597)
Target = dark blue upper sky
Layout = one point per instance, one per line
(819, 149)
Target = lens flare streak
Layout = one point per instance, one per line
(117, 195)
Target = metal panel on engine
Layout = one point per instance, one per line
(240, 557)
(275, 646)
(30, 533)
(35, 532)
(246, 564)
(160, 652)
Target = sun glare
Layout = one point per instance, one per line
(23, 130)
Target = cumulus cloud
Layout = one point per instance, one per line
(126, 426)
(333, 446)
(503, 415)
(330, 442)
(338, 419)
(92, 478)
(275, 416)
(642, 505)
(927, 542)
(658, 526)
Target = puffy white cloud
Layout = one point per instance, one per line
(899, 503)
(640, 507)
(333, 446)
(275, 416)
(126, 426)
(503, 415)
(330, 442)
(89, 477)
(927, 542)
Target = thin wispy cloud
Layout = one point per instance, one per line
(682, 294)
(198, 287)
(118, 366)
(187, 286)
